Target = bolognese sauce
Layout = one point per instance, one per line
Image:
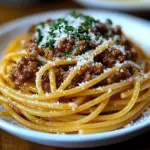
(73, 36)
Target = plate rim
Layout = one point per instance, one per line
(114, 4)
(9, 127)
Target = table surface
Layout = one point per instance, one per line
(10, 142)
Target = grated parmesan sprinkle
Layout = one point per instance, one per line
(73, 106)
(84, 59)
(109, 90)
(121, 70)
(80, 131)
(46, 94)
(69, 59)
(82, 84)
(121, 48)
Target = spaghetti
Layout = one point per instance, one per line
(74, 75)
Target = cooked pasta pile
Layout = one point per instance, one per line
(74, 75)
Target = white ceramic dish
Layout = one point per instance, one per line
(127, 5)
(135, 28)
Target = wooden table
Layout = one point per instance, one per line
(9, 142)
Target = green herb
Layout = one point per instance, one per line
(81, 29)
(88, 21)
(109, 21)
(54, 26)
(67, 54)
(97, 37)
(83, 37)
(50, 43)
(75, 14)
(62, 20)
(53, 35)
(42, 63)
(69, 29)
(59, 27)
(40, 37)
(97, 21)
(42, 24)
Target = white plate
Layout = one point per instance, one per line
(127, 5)
(135, 28)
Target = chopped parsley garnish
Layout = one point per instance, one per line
(109, 21)
(61, 20)
(66, 54)
(42, 24)
(75, 14)
(69, 29)
(40, 37)
(81, 29)
(85, 37)
(50, 43)
(42, 63)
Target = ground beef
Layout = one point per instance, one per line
(86, 73)
(117, 30)
(109, 57)
(101, 29)
(81, 47)
(35, 51)
(64, 46)
(25, 70)
(48, 53)
(62, 73)
(46, 82)
(125, 72)
(44, 52)
(112, 55)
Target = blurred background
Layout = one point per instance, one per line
(12, 9)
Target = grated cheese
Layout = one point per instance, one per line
(107, 70)
(46, 94)
(121, 48)
(57, 103)
(73, 106)
(82, 84)
(84, 59)
(146, 76)
(109, 90)
(51, 62)
(69, 59)
(74, 22)
(94, 40)
(118, 64)
(99, 88)
(80, 131)
(121, 70)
